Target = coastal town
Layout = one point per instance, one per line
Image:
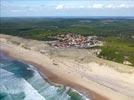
(78, 41)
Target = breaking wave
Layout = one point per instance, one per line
(20, 81)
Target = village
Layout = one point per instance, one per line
(78, 41)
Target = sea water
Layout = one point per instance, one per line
(21, 81)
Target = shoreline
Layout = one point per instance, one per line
(95, 78)
(57, 81)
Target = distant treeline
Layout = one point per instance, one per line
(46, 28)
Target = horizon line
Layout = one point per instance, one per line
(66, 16)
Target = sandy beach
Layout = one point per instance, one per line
(94, 77)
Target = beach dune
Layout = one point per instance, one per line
(94, 77)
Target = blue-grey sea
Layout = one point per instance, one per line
(21, 81)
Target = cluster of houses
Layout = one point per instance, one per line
(79, 41)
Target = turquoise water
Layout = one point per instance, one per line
(20, 81)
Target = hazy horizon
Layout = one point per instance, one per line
(94, 17)
(66, 8)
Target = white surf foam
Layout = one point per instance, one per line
(10, 84)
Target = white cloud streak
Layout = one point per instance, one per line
(94, 6)
(97, 6)
(60, 7)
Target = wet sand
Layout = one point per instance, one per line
(98, 79)
(56, 80)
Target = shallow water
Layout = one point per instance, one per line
(20, 81)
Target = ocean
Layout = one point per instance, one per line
(21, 81)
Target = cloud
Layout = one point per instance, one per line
(60, 7)
(94, 6)
(64, 7)
(118, 6)
(97, 6)
(81, 6)
(16, 11)
(109, 6)
(124, 6)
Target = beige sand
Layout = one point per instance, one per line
(76, 68)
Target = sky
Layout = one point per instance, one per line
(19, 8)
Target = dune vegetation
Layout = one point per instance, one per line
(117, 33)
